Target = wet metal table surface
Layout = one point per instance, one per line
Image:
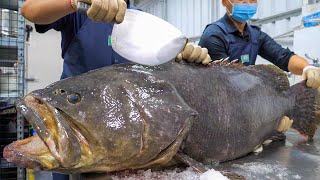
(294, 158)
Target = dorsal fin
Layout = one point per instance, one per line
(273, 74)
(227, 63)
(269, 73)
(222, 62)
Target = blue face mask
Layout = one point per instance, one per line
(243, 12)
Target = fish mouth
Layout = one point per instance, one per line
(55, 144)
(30, 153)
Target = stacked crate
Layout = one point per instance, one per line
(12, 81)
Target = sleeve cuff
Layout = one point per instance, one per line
(42, 28)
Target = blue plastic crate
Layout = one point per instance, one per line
(312, 20)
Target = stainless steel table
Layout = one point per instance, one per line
(296, 158)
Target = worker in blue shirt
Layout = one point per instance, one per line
(232, 37)
(85, 37)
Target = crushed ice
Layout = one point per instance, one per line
(142, 69)
(256, 170)
(175, 174)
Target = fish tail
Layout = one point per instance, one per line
(306, 111)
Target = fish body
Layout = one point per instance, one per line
(132, 116)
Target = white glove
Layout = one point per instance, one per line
(312, 75)
(285, 124)
(193, 53)
(104, 10)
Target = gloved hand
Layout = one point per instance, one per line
(285, 124)
(104, 10)
(193, 53)
(312, 75)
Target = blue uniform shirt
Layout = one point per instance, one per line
(84, 44)
(224, 40)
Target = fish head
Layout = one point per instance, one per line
(99, 122)
(58, 143)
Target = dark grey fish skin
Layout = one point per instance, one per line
(132, 116)
(238, 108)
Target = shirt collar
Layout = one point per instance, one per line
(231, 28)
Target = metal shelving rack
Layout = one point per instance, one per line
(12, 81)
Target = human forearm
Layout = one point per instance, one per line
(297, 64)
(46, 11)
(311, 74)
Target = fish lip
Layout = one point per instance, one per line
(12, 154)
(33, 117)
(66, 142)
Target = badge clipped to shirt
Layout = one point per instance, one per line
(245, 58)
(109, 40)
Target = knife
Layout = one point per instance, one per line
(144, 38)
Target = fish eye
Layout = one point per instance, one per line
(74, 98)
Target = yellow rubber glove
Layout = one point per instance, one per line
(194, 54)
(312, 75)
(104, 10)
(285, 124)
